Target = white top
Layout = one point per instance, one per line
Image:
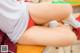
(14, 18)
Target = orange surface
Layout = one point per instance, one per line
(29, 49)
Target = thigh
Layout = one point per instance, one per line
(44, 12)
(46, 36)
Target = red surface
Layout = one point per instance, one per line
(78, 18)
(31, 23)
(77, 30)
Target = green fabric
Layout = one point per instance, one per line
(62, 2)
(58, 2)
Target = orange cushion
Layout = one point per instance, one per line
(29, 49)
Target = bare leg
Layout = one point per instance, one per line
(44, 12)
(59, 36)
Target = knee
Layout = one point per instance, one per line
(60, 12)
(45, 12)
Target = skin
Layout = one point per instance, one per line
(40, 35)
(59, 36)
(44, 12)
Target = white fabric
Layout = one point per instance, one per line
(14, 17)
(72, 21)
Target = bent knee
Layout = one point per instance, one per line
(51, 12)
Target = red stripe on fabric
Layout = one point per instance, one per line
(31, 22)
